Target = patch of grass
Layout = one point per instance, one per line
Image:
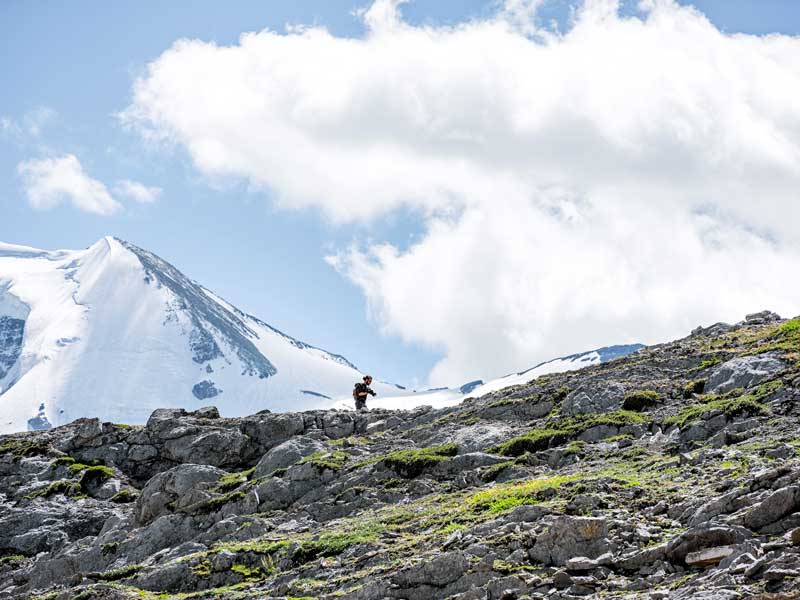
(641, 400)
(783, 338)
(575, 448)
(70, 489)
(696, 386)
(732, 404)
(20, 448)
(562, 431)
(124, 496)
(413, 462)
(333, 544)
(118, 574)
(505, 497)
(327, 460)
(251, 575)
(202, 569)
(110, 548)
(472, 421)
(617, 438)
(709, 362)
(493, 472)
(95, 475)
(215, 503)
(233, 480)
(13, 560)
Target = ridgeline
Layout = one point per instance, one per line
(670, 473)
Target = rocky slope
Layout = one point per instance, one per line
(670, 473)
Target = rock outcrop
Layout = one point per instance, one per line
(671, 473)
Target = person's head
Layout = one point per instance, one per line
(367, 379)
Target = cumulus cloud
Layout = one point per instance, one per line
(621, 181)
(50, 181)
(137, 191)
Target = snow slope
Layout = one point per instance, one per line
(475, 389)
(114, 331)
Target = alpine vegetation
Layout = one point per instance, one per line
(672, 472)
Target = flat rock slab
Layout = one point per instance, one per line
(709, 556)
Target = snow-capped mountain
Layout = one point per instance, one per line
(114, 331)
(442, 397)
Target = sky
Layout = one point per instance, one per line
(440, 191)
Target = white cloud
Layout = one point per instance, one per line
(29, 126)
(137, 191)
(50, 181)
(622, 181)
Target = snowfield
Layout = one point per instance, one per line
(114, 332)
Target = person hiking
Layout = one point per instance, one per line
(360, 392)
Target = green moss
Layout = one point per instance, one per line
(472, 421)
(413, 462)
(333, 544)
(564, 430)
(123, 426)
(95, 475)
(250, 574)
(63, 461)
(124, 496)
(493, 472)
(709, 362)
(67, 488)
(278, 473)
(505, 497)
(202, 569)
(215, 503)
(694, 387)
(233, 480)
(13, 560)
(118, 574)
(76, 468)
(22, 447)
(110, 548)
(575, 448)
(641, 400)
(327, 460)
(732, 404)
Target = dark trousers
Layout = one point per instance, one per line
(361, 403)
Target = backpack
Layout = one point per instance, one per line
(355, 392)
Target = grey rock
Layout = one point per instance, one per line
(773, 507)
(743, 372)
(286, 454)
(708, 557)
(702, 537)
(567, 537)
(439, 571)
(179, 487)
(593, 399)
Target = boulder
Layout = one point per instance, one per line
(709, 557)
(703, 537)
(179, 487)
(568, 537)
(286, 454)
(774, 507)
(438, 572)
(742, 372)
(594, 399)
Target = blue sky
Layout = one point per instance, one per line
(79, 60)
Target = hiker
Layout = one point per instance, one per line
(360, 392)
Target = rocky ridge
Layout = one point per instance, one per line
(670, 473)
